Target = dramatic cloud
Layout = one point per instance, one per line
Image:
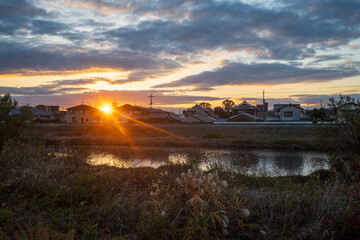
(17, 14)
(247, 42)
(47, 27)
(121, 96)
(19, 58)
(276, 33)
(261, 73)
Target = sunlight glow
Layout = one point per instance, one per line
(106, 109)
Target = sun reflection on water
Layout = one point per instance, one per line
(111, 160)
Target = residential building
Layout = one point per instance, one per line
(153, 115)
(46, 108)
(346, 110)
(244, 107)
(245, 117)
(198, 114)
(83, 114)
(286, 112)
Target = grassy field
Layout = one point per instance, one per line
(184, 136)
(48, 192)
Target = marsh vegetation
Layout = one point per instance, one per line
(54, 191)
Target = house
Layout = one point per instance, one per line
(83, 114)
(56, 114)
(198, 114)
(286, 112)
(136, 113)
(42, 116)
(48, 108)
(244, 107)
(245, 117)
(347, 110)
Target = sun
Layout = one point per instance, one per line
(106, 109)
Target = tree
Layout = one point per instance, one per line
(206, 105)
(227, 105)
(344, 132)
(318, 114)
(219, 111)
(12, 122)
(341, 137)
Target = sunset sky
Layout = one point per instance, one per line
(65, 52)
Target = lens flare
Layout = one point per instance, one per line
(106, 109)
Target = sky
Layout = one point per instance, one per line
(63, 52)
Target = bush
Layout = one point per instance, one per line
(12, 123)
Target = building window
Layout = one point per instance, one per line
(71, 111)
(81, 111)
(288, 114)
(74, 119)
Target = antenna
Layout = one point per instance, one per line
(151, 99)
(263, 96)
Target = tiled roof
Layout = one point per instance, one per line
(83, 107)
(246, 115)
(278, 106)
(244, 105)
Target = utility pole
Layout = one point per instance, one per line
(151, 100)
(320, 103)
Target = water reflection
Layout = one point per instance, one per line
(253, 162)
(113, 161)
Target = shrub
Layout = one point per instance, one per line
(12, 123)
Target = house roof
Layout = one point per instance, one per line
(83, 107)
(198, 118)
(247, 115)
(278, 106)
(40, 113)
(244, 105)
(162, 115)
(288, 105)
(35, 111)
(201, 110)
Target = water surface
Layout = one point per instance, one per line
(253, 162)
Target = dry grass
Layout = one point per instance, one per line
(188, 136)
(48, 195)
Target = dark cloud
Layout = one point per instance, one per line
(323, 58)
(17, 58)
(260, 73)
(53, 87)
(317, 98)
(47, 27)
(347, 12)
(280, 33)
(17, 14)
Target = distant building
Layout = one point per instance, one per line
(346, 110)
(286, 112)
(245, 117)
(244, 107)
(83, 114)
(151, 115)
(198, 114)
(48, 108)
(264, 107)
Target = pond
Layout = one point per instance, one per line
(259, 162)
